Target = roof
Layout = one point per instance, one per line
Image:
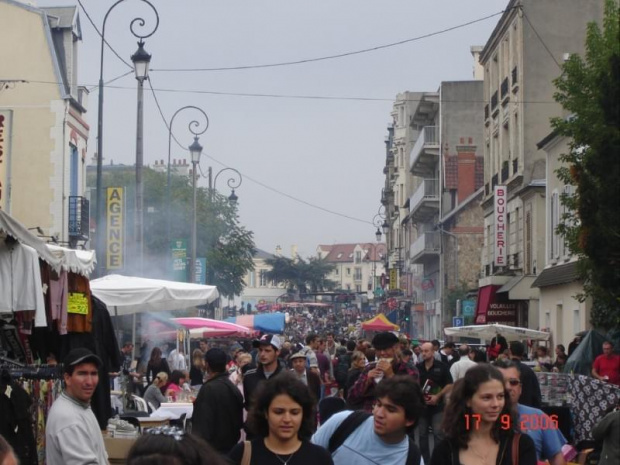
(558, 274)
(64, 17)
(341, 253)
(264, 255)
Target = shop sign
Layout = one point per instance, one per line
(5, 152)
(77, 303)
(504, 313)
(393, 278)
(179, 260)
(501, 239)
(201, 270)
(115, 228)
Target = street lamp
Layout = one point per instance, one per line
(141, 61)
(194, 128)
(195, 151)
(99, 237)
(233, 182)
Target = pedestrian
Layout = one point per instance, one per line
(312, 346)
(306, 375)
(171, 446)
(606, 367)
(218, 409)
(387, 347)
(176, 359)
(7, 455)
(358, 363)
(459, 368)
(282, 418)
(573, 345)
(448, 354)
(155, 365)
(176, 385)
(436, 382)
(153, 395)
(268, 365)
(197, 370)
(474, 424)
(548, 439)
(382, 437)
(531, 395)
(608, 431)
(72, 434)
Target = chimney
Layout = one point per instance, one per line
(278, 251)
(478, 71)
(466, 166)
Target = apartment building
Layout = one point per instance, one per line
(43, 133)
(560, 312)
(358, 267)
(520, 60)
(447, 164)
(257, 289)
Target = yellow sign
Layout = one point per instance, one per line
(393, 278)
(77, 303)
(114, 232)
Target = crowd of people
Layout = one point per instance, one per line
(323, 400)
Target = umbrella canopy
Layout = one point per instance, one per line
(212, 328)
(76, 261)
(488, 332)
(129, 294)
(379, 323)
(272, 323)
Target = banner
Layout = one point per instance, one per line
(5, 157)
(393, 278)
(201, 271)
(501, 240)
(178, 250)
(115, 228)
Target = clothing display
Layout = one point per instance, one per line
(591, 398)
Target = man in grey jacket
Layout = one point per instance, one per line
(72, 434)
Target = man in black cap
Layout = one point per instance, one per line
(388, 364)
(218, 410)
(72, 434)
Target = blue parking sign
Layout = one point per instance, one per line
(458, 321)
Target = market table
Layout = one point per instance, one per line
(174, 410)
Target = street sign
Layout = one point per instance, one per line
(468, 307)
(457, 321)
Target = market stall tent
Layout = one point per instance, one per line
(379, 323)
(272, 323)
(488, 332)
(206, 327)
(129, 295)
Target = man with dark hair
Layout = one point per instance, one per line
(268, 365)
(312, 345)
(436, 346)
(530, 395)
(72, 434)
(448, 354)
(364, 439)
(218, 410)
(532, 421)
(389, 363)
(436, 383)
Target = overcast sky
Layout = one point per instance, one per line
(326, 152)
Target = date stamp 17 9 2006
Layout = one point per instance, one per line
(526, 421)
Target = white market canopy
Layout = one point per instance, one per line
(77, 261)
(488, 332)
(128, 295)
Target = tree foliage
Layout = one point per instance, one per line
(301, 275)
(589, 90)
(227, 245)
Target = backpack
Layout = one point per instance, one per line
(351, 423)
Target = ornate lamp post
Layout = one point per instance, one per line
(195, 150)
(193, 127)
(99, 241)
(234, 182)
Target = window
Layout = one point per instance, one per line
(358, 288)
(528, 243)
(554, 240)
(337, 271)
(252, 280)
(348, 271)
(358, 256)
(348, 287)
(576, 322)
(74, 170)
(263, 278)
(358, 274)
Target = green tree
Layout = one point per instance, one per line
(301, 275)
(227, 245)
(589, 90)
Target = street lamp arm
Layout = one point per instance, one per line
(233, 182)
(141, 23)
(193, 128)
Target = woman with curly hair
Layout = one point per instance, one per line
(282, 417)
(480, 424)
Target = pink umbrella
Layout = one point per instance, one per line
(212, 327)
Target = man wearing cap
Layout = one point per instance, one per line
(306, 375)
(268, 365)
(388, 364)
(72, 434)
(218, 410)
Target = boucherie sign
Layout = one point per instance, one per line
(499, 212)
(504, 313)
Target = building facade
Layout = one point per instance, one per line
(257, 289)
(44, 134)
(560, 312)
(520, 60)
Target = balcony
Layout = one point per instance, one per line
(78, 218)
(424, 155)
(426, 248)
(424, 203)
